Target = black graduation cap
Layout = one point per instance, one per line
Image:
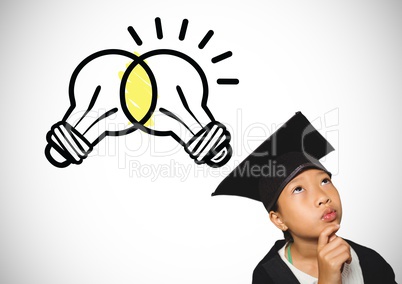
(294, 147)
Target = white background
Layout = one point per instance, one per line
(339, 62)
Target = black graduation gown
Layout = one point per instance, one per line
(272, 269)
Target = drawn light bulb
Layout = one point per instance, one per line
(181, 106)
(95, 107)
(115, 92)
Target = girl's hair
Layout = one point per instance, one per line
(288, 237)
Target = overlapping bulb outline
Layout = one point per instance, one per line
(100, 107)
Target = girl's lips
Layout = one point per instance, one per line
(329, 215)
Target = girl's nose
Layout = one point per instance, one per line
(324, 201)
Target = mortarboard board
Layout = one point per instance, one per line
(294, 147)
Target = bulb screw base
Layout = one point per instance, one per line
(66, 145)
(210, 145)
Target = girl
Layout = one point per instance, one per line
(302, 201)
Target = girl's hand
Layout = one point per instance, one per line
(332, 253)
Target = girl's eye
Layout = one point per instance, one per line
(298, 190)
(326, 181)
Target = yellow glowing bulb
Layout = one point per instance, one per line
(138, 93)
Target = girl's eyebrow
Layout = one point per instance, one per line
(296, 180)
(322, 173)
(299, 178)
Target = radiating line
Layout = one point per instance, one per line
(134, 35)
(172, 115)
(228, 81)
(206, 38)
(183, 29)
(221, 57)
(91, 104)
(158, 26)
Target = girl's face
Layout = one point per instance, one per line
(307, 205)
